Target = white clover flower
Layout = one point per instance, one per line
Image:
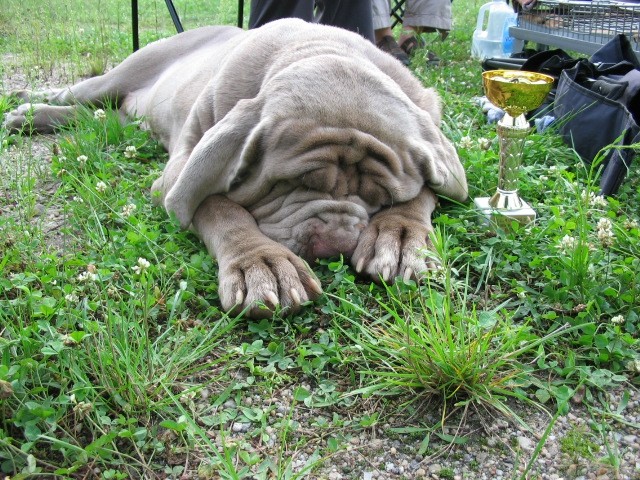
(605, 232)
(606, 238)
(466, 142)
(604, 224)
(130, 151)
(617, 320)
(567, 244)
(82, 159)
(598, 201)
(101, 187)
(484, 143)
(99, 114)
(82, 408)
(634, 365)
(87, 277)
(142, 265)
(71, 297)
(128, 209)
(522, 295)
(78, 199)
(630, 224)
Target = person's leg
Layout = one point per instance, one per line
(423, 16)
(428, 16)
(265, 11)
(354, 15)
(381, 14)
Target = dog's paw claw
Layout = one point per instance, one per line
(239, 297)
(272, 298)
(295, 296)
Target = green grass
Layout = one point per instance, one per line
(114, 354)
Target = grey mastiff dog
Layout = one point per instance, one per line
(287, 143)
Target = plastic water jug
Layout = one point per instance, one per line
(491, 37)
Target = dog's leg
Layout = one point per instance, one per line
(49, 109)
(254, 271)
(394, 242)
(38, 118)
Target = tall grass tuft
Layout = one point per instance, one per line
(428, 341)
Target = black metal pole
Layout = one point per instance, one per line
(174, 16)
(240, 13)
(134, 24)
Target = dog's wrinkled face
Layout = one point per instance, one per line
(335, 146)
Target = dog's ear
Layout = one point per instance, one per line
(221, 155)
(440, 164)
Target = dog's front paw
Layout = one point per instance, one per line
(18, 118)
(393, 247)
(264, 278)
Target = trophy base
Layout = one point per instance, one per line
(502, 217)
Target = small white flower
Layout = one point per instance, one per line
(630, 224)
(130, 151)
(466, 142)
(484, 143)
(634, 365)
(128, 209)
(71, 297)
(567, 244)
(101, 187)
(87, 277)
(78, 199)
(606, 237)
(598, 201)
(605, 232)
(82, 159)
(604, 224)
(522, 295)
(142, 265)
(617, 320)
(99, 114)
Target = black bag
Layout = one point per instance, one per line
(597, 104)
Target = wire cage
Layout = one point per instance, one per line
(582, 26)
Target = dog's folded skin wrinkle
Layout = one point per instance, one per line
(286, 143)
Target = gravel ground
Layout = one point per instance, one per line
(496, 449)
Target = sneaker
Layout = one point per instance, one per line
(412, 44)
(388, 44)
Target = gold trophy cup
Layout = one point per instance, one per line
(516, 92)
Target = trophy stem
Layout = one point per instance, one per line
(512, 134)
(516, 92)
(506, 205)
